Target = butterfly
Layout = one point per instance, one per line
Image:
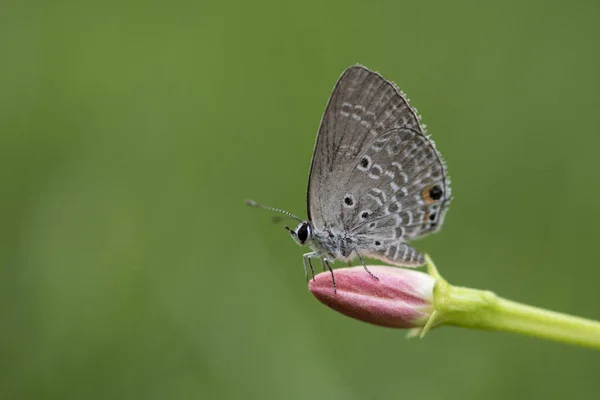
(376, 179)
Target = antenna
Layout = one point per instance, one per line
(252, 203)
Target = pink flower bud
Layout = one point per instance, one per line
(401, 298)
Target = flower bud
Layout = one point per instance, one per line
(400, 298)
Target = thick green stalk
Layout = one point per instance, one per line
(479, 309)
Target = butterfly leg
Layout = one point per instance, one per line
(326, 262)
(365, 266)
(307, 257)
(322, 265)
(305, 268)
(312, 270)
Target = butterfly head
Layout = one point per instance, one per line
(302, 234)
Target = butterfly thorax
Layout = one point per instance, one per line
(333, 244)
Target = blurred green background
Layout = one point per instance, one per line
(131, 132)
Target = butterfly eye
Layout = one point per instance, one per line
(303, 232)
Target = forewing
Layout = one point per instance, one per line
(363, 107)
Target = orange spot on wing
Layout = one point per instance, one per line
(426, 216)
(426, 196)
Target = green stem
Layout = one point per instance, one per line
(496, 313)
(479, 309)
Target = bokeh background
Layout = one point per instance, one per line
(131, 132)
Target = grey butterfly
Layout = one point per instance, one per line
(376, 179)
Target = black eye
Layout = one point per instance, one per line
(302, 233)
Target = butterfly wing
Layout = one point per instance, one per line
(404, 195)
(374, 173)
